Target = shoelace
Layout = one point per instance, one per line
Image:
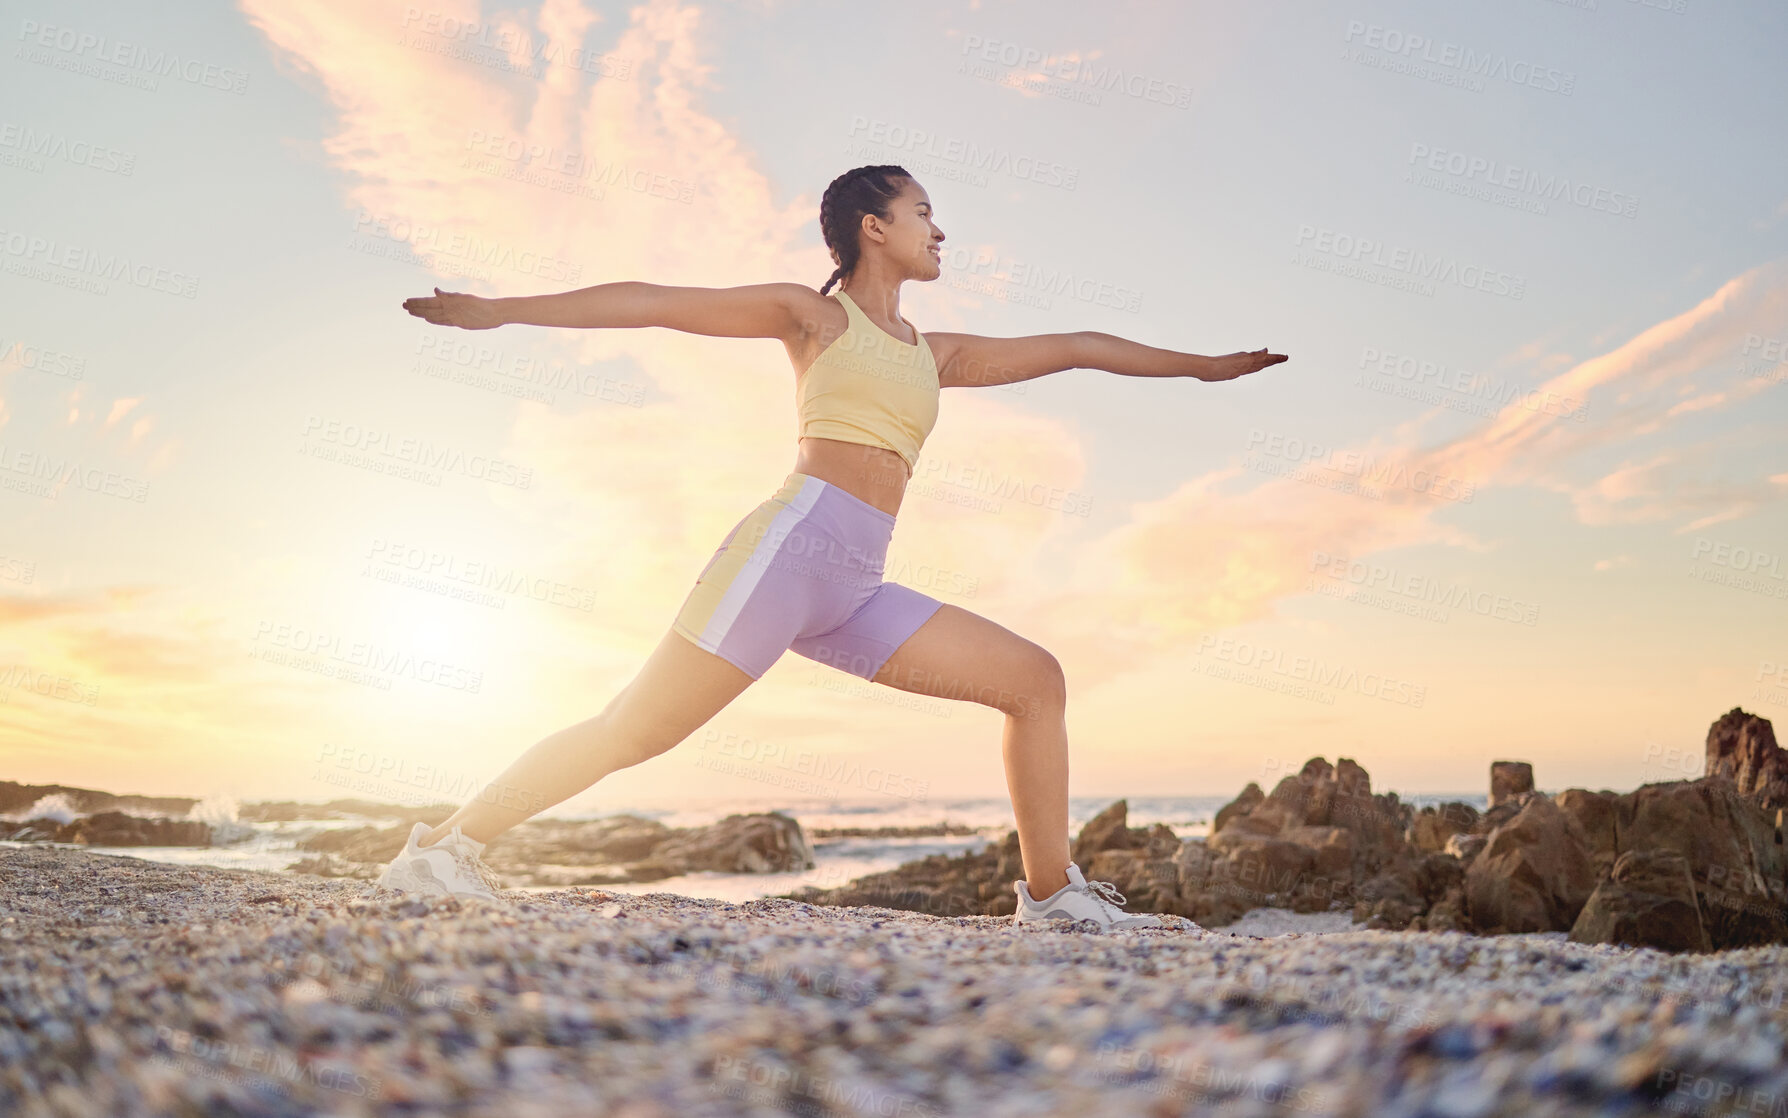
(470, 862)
(1106, 891)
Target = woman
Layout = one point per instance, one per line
(803, 570)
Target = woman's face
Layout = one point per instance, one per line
(911, 239)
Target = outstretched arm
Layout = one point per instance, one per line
(762, 310)
(973, 361)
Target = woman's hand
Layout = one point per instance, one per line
(451, 308)
(1233, 365)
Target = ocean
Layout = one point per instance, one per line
(273, 846)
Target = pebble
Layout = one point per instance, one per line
(136, 988)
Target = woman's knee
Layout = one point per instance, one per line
(1043, 690)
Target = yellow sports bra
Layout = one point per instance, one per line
(870, 387)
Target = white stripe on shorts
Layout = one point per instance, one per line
(733, 601)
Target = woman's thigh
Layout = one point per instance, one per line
(958, 654)
(679, 688)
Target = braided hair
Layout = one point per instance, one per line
(859, 191)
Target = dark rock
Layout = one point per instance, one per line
(937, 885)
(1533, 875)
(922, 830)
(1595, 813)
(1329, 812)
(115, 828)
(1105, 831)
(1434, 826)
(609, 851)
(1465, 847)
(1241, 805)
(1648, 900)
(15, 798)
(611, 839)
(764, 842)
(1742, 747)
(287, 811)
(1733, 848)
(1509, 779)
(1495, 817)
(1448, 913)
(355, 844)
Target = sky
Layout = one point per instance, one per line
(1518, 494)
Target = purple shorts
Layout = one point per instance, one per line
(803, 571)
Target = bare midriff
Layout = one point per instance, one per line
(870, 473)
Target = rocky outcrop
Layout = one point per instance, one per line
(1109, 830)
(609, 851)
(1732, 847)
(1647, 900)
(111, 828)
(287, 811)
(18, 798)
(1596, 814)
(920, 830)
(1742, 748)
(1674, 866)
(1434, 826)
(766, 842)
(1533, 874)
(1509, 780)
(1320, 840)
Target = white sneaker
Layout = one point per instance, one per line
(1080, 899)
(449, 868)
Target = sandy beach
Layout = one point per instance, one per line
(138, 988)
